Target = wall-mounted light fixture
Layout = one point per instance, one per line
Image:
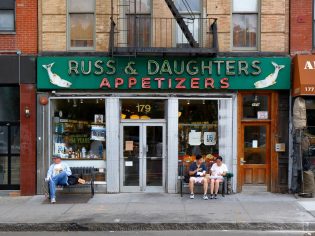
(188, 102)
(27, 112)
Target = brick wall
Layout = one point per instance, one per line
(273, 36)
(25, 37)
(301, 26)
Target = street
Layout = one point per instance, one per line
(160, 233)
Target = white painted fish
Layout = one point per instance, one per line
(270, 79)
(55, 79)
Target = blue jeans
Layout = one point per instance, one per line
(60, 179)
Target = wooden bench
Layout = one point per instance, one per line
(183, 169)
(86, 173)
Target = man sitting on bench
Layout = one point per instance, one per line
(57, 174)
(197, 173)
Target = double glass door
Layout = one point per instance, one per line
(9, 155)
(142, 157)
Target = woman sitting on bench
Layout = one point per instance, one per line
(57, 174)
(217, 171)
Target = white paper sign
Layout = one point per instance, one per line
(255, 143)
(209, 138)
(262, 115)
(194, 138)
(128, 163)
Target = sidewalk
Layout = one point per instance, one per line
(156, 211)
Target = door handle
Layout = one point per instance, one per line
(242, 161)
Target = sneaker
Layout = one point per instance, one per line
(53, 200)
(192, 196)
(215, 196)
(205, 197)
(211, 196)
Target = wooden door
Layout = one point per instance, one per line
(254, 152)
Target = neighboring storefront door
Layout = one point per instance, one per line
(142, 157)
(255, 154)
(9, 156)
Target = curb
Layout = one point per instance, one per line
(5, 227)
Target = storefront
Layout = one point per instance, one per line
(17, 123)
(303, 153)
(134, 118)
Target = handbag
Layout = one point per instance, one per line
(72, 180)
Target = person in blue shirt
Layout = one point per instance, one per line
(197, 173)
(57, 174)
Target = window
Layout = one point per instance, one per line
(197, 129)
(81, 24)
(256, 106)
(138, 16)
(78, 133)
(191, 11)
(245, 24)
(7, 15)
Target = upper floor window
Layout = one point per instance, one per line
(138, 14)
(245, 24)
(81, 27)
(191, 11)
(7, 15)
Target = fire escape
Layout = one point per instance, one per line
(180, 35)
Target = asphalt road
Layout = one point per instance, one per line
(161, 233)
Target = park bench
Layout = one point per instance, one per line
(183, 173)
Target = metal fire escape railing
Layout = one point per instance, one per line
(162, 36)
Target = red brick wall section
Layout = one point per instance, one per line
(25, 38)
(28, 140)
(301, 26)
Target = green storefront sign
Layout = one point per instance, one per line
(158, 73)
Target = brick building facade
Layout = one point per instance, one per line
(83, 43)
(18, 49)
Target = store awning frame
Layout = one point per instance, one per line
(304, 75)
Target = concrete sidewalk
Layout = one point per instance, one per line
(156, 211)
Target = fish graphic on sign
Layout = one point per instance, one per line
(55, 79)
(270, 79)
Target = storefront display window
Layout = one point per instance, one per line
(256, 107)
(143, 109)
(198, 129)
(78, 127)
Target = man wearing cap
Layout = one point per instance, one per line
(57, 174)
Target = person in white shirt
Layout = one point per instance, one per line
(57, 174)
(217, 172)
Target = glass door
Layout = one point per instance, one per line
(142, 159)
(9, 156)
